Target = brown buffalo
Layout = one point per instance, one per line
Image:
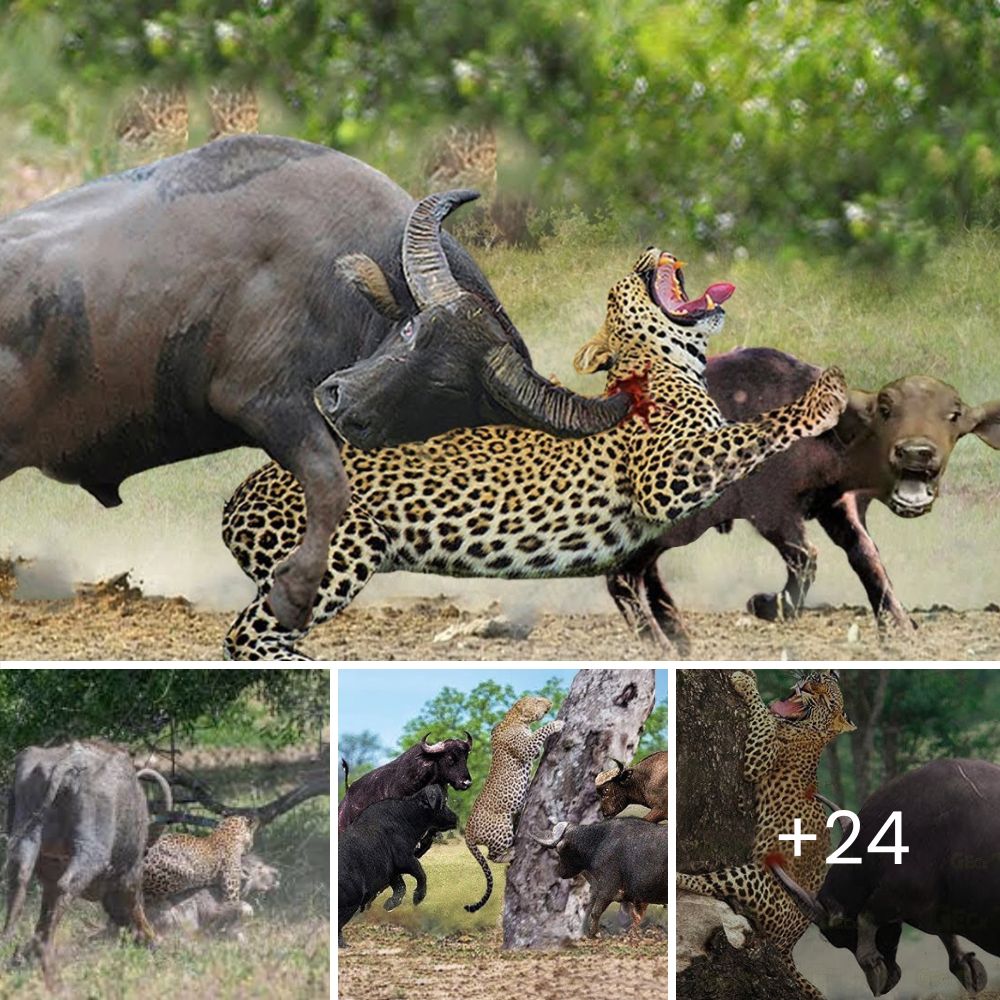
(643, 784)
(891, 445)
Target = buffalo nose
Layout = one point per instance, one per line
(916, 452)
(327, 396)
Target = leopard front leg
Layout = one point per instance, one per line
(690, 474)
(538, 738)
(761, 746)
(741, 882)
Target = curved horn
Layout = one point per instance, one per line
(536, 402)
(148, 772)
(621, 766)
(831, 808)
(557, 834)
(468, 738)
(809, 904)
(425, 266)
(432, 747)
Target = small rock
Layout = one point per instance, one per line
(853, 632)
(487, 627)
(992, 606)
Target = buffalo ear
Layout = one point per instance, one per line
(985, 421)
(363, 274)
(857, 416)
(595, 355)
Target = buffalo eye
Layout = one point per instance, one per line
(885, 408)
(408, 330)
(954, 415)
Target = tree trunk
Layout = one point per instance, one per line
(716, 819)
(715, 815)
(603, 711)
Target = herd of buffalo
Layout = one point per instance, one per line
(136, 331)
(388, 819)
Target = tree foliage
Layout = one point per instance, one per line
(43, 707)
(868, 126)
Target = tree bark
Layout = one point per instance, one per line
(715, 815)
(603, 712)
(716, 820)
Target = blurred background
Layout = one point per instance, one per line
(837, 161)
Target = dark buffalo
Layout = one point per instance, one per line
(892, 445)
(195, 304)
(377, 850)
(643, 784)
(947, 884)
(444, 763)
(77, 821)
(623, 859)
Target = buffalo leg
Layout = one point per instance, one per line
(636, 589)
(601, 899)
(789, 538)
(398, 892)
(20, 866)
(844, 521)
(869, 957)
(665, 611)
(300, 441)
(964, 965)
(256, 634)
(413, 867)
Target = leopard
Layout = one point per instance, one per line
(494, 815)
(515, 502)
(781, 757)
(179, 861)
(154, 122)
(233, 112)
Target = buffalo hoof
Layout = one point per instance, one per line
(877, 974)
(392, 902)
(289, 601)
(771, 607)
(970, 972)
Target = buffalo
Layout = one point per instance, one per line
(623, 859)
(77, 821)
(195, 304)
(443, 763)
(643, 784)
(377, 849)
(947, 883)
(892, 445)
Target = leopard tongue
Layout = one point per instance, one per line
(787, 709)
(714, 295)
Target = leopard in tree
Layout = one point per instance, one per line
(494, 813)
(781, 757)
(515, 502)
(179, 861)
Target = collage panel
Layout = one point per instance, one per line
(837, 833)
(518, 816)
(167, 833)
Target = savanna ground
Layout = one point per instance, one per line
(286, 951)
(438, 951)
(876, 325)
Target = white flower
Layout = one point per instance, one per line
(860, 87)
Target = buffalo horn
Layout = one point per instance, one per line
(432, 747)
(425, 266)
(809, 904)
(557, 834)
(468, 738)
(832, 807)
(536, 402)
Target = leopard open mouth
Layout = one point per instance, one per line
(666, 289)
(913, 493)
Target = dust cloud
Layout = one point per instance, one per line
(167, 535)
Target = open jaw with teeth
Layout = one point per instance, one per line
(913, 493)
(666, 288)
(799, 704)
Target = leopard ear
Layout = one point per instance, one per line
(595, 355)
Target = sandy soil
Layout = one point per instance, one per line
(116, 622)
(387, 963)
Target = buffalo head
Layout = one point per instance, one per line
(451, 761)
(910, 428)
(458, 356)
(611, 789)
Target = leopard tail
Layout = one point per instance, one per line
(472, 907)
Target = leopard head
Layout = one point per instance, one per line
(816, 705)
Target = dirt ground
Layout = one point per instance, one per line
(114, 621)
(387, 963)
